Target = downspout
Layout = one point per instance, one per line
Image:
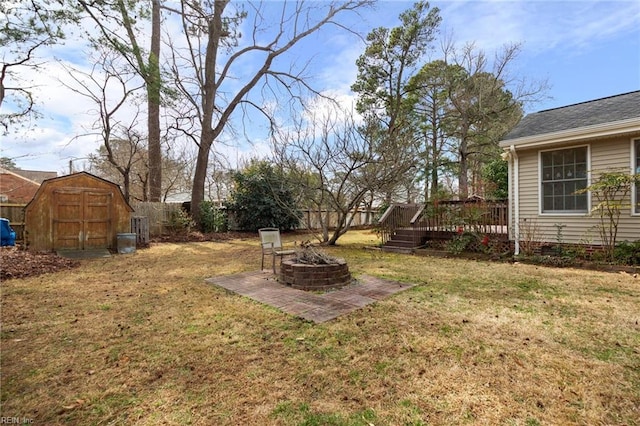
(516, 199)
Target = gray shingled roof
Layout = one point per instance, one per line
(599, 111)
(35, 175)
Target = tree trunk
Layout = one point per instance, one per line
(127, 186)
(200, 173)
(153, 102)
(463, 161)
(434, 157)
(463, 177)
(340, 229)
(325, 224)
(209, 89)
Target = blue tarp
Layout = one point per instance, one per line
(7, 235)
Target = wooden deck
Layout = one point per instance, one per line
(405, 227)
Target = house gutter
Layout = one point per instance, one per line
(516, 198)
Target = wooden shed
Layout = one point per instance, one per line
(79, 211)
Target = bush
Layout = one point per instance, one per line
(627, 253)
(263, 197)
(464, 241)
(212, 218)
(179, 219)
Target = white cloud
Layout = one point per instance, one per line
(540, 25)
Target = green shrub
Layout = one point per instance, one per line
(464, 241)
(263, 197)
(179, 219)
(212, 217)
(627, 253)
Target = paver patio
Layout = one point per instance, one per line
(318, 308)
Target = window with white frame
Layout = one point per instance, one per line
(636, 170)
(564, 173)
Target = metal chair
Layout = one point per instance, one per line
(272, 246)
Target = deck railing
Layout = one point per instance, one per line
(395, 217)
(479, 216)
(444, 219)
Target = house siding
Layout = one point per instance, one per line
(605, 155)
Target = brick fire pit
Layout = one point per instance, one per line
(314, 277)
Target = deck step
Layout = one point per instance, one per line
(394, 249)
(402, 241)
(399, 243)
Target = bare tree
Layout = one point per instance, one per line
(111, 88)
(124, 162)
(213, 84)
(177, 159)
(334, 165)
(219, 179)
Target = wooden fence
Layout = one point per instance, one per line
(161, 217)
(312, 219)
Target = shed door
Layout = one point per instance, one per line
(82, 219)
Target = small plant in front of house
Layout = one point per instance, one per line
(559, 238)
(611, 191)
(575, 251)
(529, 231)
(473, 216)
(463, 241)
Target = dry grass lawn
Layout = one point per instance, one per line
(142, 339)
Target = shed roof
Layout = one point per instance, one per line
(611, 109)
(78, 176)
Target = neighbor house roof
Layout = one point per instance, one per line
(597, 118)
(35, 175)
(15, 188)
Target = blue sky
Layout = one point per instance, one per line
(584, 49)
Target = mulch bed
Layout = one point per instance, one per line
(17, 263)
(551, 261)
(195, 236)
